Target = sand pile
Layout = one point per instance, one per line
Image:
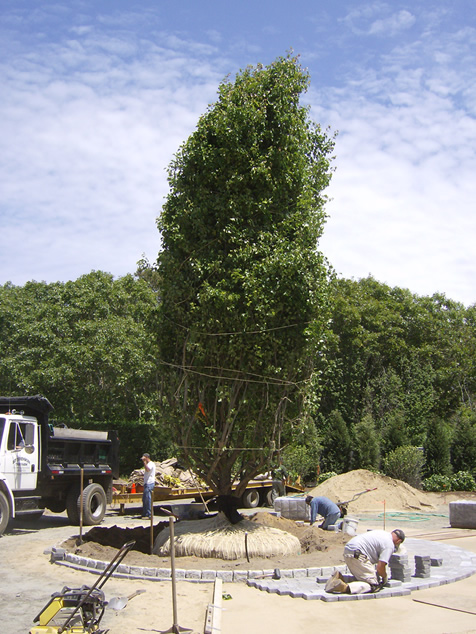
(311, 538)
(398, 495)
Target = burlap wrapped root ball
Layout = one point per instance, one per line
(217, 538)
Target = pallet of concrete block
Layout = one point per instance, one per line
(292, 508)
(462, 514)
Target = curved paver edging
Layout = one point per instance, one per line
(306, 583)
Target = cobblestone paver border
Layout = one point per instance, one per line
(450, 564)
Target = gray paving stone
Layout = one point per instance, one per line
(314, 572)
(300, 573)
(287, 574)
(150, 572)
(453, 564)
(225, 575)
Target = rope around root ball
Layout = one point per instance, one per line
(217, 538)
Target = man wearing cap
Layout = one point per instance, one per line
(366, 557)
(149, 484)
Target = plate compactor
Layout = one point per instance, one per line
(78, 610)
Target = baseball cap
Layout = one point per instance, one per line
(400, 534)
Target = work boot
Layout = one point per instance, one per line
(336, 584)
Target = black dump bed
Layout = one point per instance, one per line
(66, 450)
(37, 406)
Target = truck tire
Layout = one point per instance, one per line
(72, 505)
(271, 495)
(94, 504)
(4, 512)
(250, 498)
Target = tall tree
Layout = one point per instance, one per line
(243, 287)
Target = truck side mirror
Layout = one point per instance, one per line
(29, 448)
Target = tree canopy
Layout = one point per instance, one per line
(86, 344)
(243, 287)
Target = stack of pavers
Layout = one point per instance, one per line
(422, 566)
(400, 568)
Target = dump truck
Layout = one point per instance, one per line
(56, 468)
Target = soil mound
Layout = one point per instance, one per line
(117, 537)
(374, 490)
(312, 538)
(317, 547)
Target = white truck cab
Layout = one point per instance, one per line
(19, 451)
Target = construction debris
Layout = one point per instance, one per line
(168, 474)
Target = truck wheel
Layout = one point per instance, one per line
(271, 495)
(4, 513)
(94, 504)
(72, 505)
(250, 499)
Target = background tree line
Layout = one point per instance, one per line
(397, 372)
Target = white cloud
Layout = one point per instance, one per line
(404, 191)
(88, 127)
(392, 24)
(378, 18)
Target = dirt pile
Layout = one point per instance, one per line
(318, 547)
(311, 538)
(397, 495)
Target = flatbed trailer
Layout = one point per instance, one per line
(258, 492)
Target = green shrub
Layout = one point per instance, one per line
(325, 476)
(300, 461)
(463, 481)
(405, 463)
(437, 482)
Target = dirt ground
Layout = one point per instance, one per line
(27, 579)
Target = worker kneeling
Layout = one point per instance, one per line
(366, 557)
(327, 509)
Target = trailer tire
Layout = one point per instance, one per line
(4, 512)
(271, 495)
(72, 505)
(250, 499)
(94, 504)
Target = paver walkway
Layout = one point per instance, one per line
(455, 564)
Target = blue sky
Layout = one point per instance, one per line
(97, 96)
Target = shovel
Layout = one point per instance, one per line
(119, 603)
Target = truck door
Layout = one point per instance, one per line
(20, 458)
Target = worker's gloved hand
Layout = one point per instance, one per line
(381, 582)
